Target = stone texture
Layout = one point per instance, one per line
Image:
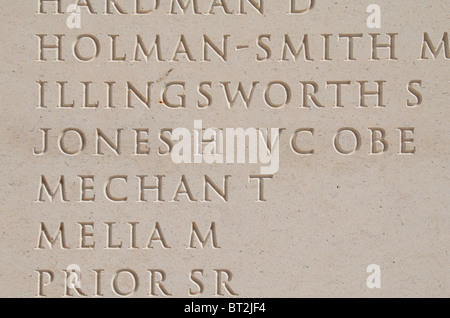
(327, 216)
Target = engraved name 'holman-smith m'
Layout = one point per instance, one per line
(205, 48)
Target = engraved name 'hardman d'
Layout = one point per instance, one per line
(174, 7)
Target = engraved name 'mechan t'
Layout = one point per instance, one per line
(210, 146)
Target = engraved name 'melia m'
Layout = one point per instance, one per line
(209, 146)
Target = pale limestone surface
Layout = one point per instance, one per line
(327, 216)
